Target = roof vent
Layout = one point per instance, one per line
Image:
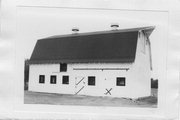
(75, 30)
(114, 26)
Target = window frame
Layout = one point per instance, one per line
(123, 78)
(40, 76)
(51, 79)
(93, 82)
(63, 79)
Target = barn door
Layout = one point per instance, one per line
(79, 84)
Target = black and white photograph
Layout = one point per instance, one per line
(94, 61)
(89, 59)
(110, 67)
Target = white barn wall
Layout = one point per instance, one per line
(53, 69)
(137, 77)
(48, 70)
(142, 71)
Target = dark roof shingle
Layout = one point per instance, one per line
(100, 47)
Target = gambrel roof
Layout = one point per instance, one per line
(114, 46)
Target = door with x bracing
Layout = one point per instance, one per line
(79, 85)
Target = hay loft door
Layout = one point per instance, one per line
(79, 85)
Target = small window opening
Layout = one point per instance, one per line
(91, 80)
(65, 79)
(41, 78)
(120, 81)
(63, 67)
(53, 79)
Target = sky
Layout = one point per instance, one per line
(34, 23)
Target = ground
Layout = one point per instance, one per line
(64, 99)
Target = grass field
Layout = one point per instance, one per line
(64, 99)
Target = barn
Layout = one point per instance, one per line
(114, 63)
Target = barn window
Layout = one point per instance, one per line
(53, 79)
(120, 81)
(41, 78)
(65, 79)
(91, 80)
(63, 67)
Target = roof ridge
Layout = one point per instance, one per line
(102, 32)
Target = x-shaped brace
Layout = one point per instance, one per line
(108, 91)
